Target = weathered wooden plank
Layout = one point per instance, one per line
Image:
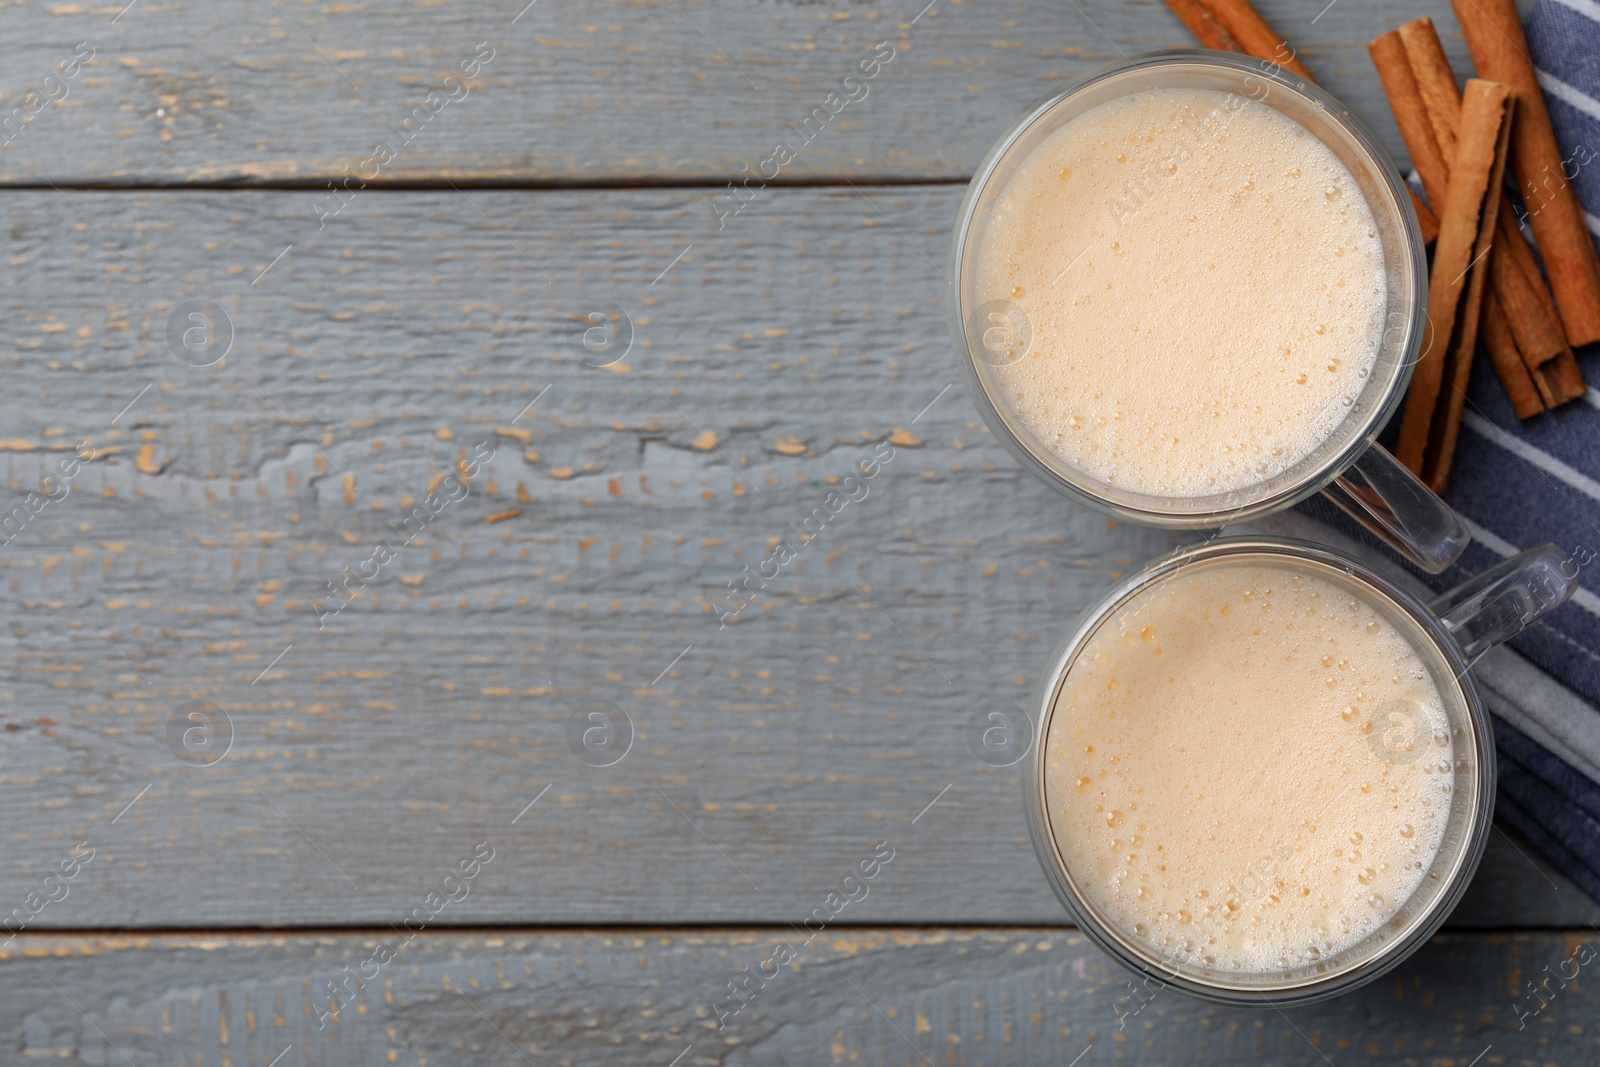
(590, 91)
(586, 558)
(870, 997)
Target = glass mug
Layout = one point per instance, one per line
(1447, 634)
(1348, 466)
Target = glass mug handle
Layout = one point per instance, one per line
(1386, 498)
(1507, 598)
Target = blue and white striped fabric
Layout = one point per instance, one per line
(1520, 484)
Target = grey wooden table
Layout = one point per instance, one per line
(285, 298)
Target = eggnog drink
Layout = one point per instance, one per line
(1203, 286)
(1248, 768)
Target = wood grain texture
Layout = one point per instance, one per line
(592, 91)
(767, 362)
(871, 997)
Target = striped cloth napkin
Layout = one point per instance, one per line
(1520, 484)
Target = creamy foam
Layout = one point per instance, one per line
(1248, 768)
(1204, 284)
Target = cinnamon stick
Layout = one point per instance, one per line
(1514, 375)
(1206, 29)
(1522, 255)
(1558, 379)
(1539, 338)
(1410, 114)
(1417, 76)
(1565, 378)
(1427, 429)
(1441, 97)
(1519, 288)
(1442, 441)
(1254, 35)
(1426, 219)
(1499, 48)
(1508, 362)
